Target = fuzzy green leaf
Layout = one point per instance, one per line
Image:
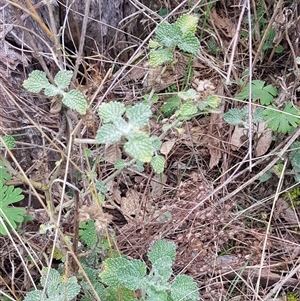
(162, 269)
(187, 110)
(280, 122)
(158, 164)
(184, 288)
(120, 164)
(189, 43)
(189, 94)
(139, 147)
(266, 94)
(187, 23)
(294, 155)
(169, 107)
(156, 142)
(56, 288)
(88, 233)
(162, 248)
(160, 56)
(154, 295)
(9, 141)
(237, 116)
(108, 134)
(138, 115)
(36, 81)
(75, 100)
(120, 271)
(10, 195)
(63, 78)
(153, 44)
(108, 112)
(51, 91)
(168, 34)
(120, 293)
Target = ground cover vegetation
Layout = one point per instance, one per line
(150, 155)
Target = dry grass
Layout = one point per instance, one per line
(236, 236)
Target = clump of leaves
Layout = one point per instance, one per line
(280, 121)
(180, 34)
(57, 288)
(138, 143)
(9, 195)
(74, 99)
(123, 275)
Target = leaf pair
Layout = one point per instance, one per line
(37, 81)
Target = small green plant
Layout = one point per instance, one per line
(121, 274)
(9, 215)
(278, 121)
(73, 99)
(180, 34)
(139, 144)
(57, 288)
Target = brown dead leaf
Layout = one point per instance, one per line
(223, 23)
(131, 203)
(112, 153)
(264, 139)
(167, 146)
(238, 137)
(285, 211)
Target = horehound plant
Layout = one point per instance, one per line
(126, 125)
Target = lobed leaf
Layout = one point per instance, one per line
(108, 112)
(139, 147)
(280, 122)
(63, 79)
(75, 100)
(160, 56)
(36, 81)
(186, 110)
(189, 43)
(189, 94)
(187, 23)
(139, 114)
(259, 91)
(10, 195)
(120, 272)
(162, 248)
(184, 288)
(108, 134)
(158, 164)
(168, 34)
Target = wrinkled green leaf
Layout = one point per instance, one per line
(160, 56)
(138, 115)
(120, 272)
(189, 43)
(162, 248)
(158, 164)
(108, 134)
(189, 94)
(63, 79)
(36, 81)
(168, 34)
(108, 112)
(187, 24)
(139, 147)
(10, 195)
(75, 100)
(186, 110)
(184, 288)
